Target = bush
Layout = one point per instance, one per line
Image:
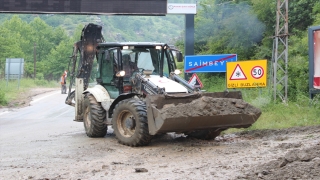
(41, 82)
(40, 76)
(213, 82)
(10, 90)
(3, 100)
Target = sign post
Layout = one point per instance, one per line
(14, 69)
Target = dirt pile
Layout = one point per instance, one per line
(278, 133)
(296, 164)
(209, 106)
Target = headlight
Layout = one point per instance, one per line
(121, 74)
(177, 71)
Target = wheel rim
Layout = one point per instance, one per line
(126, 124)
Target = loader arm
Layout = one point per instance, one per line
(82, 56)
(90, 37)
(86, 49)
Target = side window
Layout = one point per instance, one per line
(107, 72)
(128, 65)
(99, 57)
(106, 69)
(133, 57)
(166, 71)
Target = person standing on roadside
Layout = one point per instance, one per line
(66, 72)
(63, 83)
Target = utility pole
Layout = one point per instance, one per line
(280, 61)
(189, 39)
(34, 61)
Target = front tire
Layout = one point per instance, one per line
(130, 124)
(94, 117)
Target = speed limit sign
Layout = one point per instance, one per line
(247, 74)
(257, 72)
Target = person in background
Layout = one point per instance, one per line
(63, 83)
(66, 72)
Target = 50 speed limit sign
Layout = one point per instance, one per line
(257, 72)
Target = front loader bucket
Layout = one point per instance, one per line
(219, 110)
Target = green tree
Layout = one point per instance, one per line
(300, 14)
(58, 60)
(22, 31)
(316, 12)
(42, 36)
(59, 34)
(9, 47)
(225, 27)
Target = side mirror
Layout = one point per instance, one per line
(179, 57)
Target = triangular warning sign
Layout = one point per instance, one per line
(238, 74)
(195, 81)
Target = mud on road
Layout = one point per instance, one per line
(264, 154)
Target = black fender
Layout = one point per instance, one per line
(117, 100)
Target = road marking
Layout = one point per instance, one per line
(4, 112)
(62, 113)
(33, 101)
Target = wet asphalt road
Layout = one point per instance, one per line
(33, 135)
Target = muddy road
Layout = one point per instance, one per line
(41, 141)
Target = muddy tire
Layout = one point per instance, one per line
(94, 117)
(130, 124)
(204, 134)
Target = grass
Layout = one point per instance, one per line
(278, 116)
(275, 114)
(10, 90)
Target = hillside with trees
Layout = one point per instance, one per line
(52, 36)
(243, 27)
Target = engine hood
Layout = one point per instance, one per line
(169, 85)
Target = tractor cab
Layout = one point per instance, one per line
(119, 62)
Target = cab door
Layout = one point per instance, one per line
(109, 64)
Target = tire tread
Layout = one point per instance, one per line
(98, 127)
(141, 136)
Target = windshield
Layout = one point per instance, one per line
(144, 58)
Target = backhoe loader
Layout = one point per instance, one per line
(140, 93)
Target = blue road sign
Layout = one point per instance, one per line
(208, 63)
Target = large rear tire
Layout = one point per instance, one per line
(204, 134)
(130, 124)
(94, 117)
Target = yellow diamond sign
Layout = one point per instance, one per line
(247, 74)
